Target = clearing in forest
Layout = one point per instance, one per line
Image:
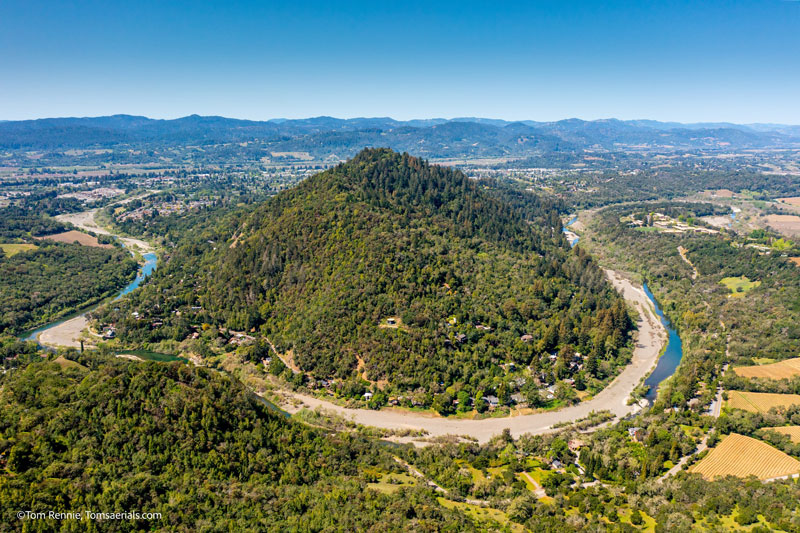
(740, 456)
(75, 236)
(793, 432)
(759, 402)
(779, 370)
(788, 224)
(720, 193)
(391, 483)
(739, 286)
(12, 249)
(482, 515)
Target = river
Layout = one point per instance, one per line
(670, 359)
(572, 237)
(673, 353)
(79, 317)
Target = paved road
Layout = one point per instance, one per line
(650, 339)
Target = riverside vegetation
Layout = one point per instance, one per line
(48, 280)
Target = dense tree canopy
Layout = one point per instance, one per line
(191, 444)
(470, 280)
(39, 285)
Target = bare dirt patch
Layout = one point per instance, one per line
(788, 224)
(793, 200)
(65, 334)
(720, 193)
(75, 236)
(85, 221)
(718, 221)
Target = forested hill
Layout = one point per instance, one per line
(396, 271)
(102, 435)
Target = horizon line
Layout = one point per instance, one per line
(387, 117)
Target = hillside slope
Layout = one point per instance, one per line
(324, 269)
(190, 444)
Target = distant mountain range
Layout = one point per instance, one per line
(333, 137)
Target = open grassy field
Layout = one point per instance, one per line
(779, 370)
(389, 483)
(740, 456)
(759, 402)
(476, 474)
(739, 286)
(763, 360)
(481, 514)
(75, 236)
(12, 249)
(792, 431)
(527, 480)
(65, 363)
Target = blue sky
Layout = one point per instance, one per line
(666, 60)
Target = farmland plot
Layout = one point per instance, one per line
(760, 402)
(779, 370)
(740, 456)
(792, 431)
(71, 236)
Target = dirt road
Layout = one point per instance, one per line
(683, 251)
(650, 338)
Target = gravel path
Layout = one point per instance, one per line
(649, 341)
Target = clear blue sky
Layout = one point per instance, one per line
(686, 61)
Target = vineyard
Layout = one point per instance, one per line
(740, 456)
(760, 402)
(779, 370)
(792, 431)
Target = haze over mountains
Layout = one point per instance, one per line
(327, 136)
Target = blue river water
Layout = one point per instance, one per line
(151, 260)
(670, 359)
(564, 229)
